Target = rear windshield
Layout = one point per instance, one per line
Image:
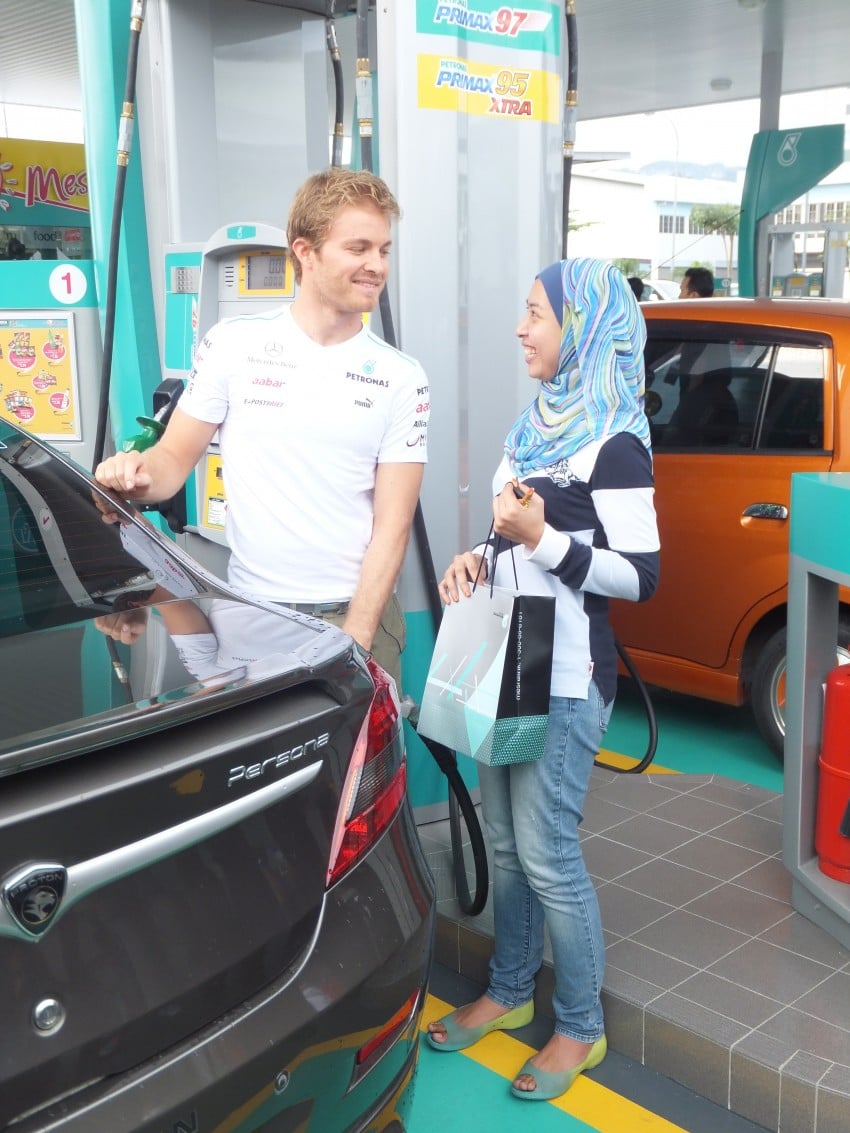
(106, 623)
(58, 559)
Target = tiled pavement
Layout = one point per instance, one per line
(712, 978)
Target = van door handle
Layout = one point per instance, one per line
(765, 511)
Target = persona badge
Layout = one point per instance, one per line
(34, 895)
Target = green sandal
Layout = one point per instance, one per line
(553, 1083)
(459, 1038)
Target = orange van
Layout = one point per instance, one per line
(741, 393)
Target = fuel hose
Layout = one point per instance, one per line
(125, 143)
(461, 808)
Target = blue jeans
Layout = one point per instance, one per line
(532, 812)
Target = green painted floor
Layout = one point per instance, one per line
(694, 736)
(468, 1091)
(457, 1093)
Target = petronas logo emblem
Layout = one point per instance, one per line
(788, 150)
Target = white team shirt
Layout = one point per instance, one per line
(302, 428)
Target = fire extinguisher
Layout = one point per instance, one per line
(832, 828)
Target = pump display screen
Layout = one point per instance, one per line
(267, 273)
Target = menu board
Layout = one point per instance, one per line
(38, 373)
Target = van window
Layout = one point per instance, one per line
(793, 418)
(731, 395)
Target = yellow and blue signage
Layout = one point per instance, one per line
(534, 26)
(44, 185)
(488, 90)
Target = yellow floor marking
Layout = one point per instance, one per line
(600, 1108)
(617, 760)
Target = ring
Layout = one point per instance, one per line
(524, 503)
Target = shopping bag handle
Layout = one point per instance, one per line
(497, 539)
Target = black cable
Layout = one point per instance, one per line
(339, 92)
(652, 743)
(120, 670)
(570, 104)
(460, 803)
(125, 139)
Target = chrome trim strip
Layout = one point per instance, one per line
(86, 877)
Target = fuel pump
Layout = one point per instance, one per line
(243, 268)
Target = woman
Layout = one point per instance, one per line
(584, 531)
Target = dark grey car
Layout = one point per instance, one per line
(215, 911)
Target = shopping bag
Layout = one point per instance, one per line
(487, 689)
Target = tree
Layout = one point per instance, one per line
(722, 219)
(627, 267)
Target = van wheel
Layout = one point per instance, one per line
(767, 694)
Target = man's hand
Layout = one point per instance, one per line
(162, 470)
(121, 474)
(125, 473)
(126, 626)
(108, 513)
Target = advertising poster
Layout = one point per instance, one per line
(38, 373)
(44, 200)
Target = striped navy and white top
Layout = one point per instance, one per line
(600, 542)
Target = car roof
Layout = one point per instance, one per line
(808, 314)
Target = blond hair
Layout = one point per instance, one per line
(316, 204)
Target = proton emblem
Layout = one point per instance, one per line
(33, 896)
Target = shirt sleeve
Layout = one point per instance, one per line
(624, 563)
(199, 653)
(406, 438)
(206, 395)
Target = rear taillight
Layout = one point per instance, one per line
(376, 780)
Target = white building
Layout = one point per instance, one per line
(648, 218)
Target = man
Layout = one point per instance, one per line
(697, 283)
(322, 426)
(697, 357)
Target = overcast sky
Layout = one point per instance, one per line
(718, 133)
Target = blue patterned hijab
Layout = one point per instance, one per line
(598, 389)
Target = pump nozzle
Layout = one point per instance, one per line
(152, 430)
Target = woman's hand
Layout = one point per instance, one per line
(463, 570)
(520, 520)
